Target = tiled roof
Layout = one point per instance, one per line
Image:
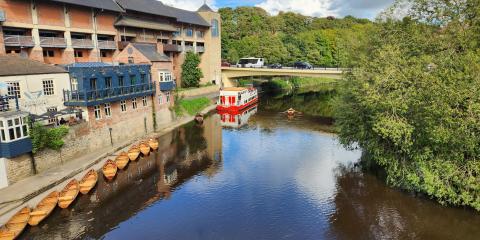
(189, 17)
(146, 6)
(140, 23)
(205, 8)
(150, 52)
(13, 66)
(100, 4)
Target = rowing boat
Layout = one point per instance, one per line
(153, 143)
(133, 153)
(88, 181)
(68, 194)
(43, 209)
(15, 225)
(122, 160)
(144, 148)
(109, 170)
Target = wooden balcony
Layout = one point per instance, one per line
(107, 45)
(53, 42)
(18, 41)
(200, 49)
(172, 48)
(82, 43)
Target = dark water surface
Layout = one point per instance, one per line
(261, 176)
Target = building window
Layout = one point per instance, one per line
(160, 99)
(134, 103)
(121, 83)
(200, 34)
(14, 129)
(215, 30)
(143, 78)
(48, 53)
(51, 112)
(104, 54)
(108, 110)
(189, 32)
(131, 60)
(165, 76)
(123, 106)
(78, 54)
(145, 102)
(167, 94)
(108, 82)
(178, 32)
(48, 88)
(133, 80)
(98, 112)
(74, 83)
(14, 89)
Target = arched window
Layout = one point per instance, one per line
(215, 30)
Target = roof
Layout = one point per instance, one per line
(140, 23)
(150, 52)
(88, 64)
(188, 17)
(205, 8)
(234, 89)
(100, 4)
(14, 66)
(146, 6)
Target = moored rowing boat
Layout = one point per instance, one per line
(122, 160)
(43, 209)
(68, 194)
(88, 181)
(153, 143)
(144, 148)
(109, 169)
(134, 152)
(15, 225)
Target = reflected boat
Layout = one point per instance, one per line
(43, 209)
(122, 160)
(68, 194)
(153, 143)
(15, 225)
(144, 148)
(88, 181)
(133, 153)
(109, 170)
(237, 120)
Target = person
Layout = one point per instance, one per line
(62, 121)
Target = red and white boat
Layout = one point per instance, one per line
(237, 120)
(235, 99)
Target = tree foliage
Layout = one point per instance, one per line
(191, 73)
(289, 37)
(43, 137)
(413, 103)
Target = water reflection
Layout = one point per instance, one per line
(239, 119)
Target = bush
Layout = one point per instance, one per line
(191, 73)
(43, 137)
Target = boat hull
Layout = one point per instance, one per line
(68, 194)
(236, 109)
(43, 209)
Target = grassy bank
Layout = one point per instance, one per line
(191, 106)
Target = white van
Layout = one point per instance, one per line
(251, 63)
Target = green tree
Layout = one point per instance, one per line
(413, 102)
(191, 73)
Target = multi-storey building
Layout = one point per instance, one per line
(69, 31)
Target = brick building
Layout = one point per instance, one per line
(70, 31)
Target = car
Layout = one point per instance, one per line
(251, 62)
(275, 66)
(302, 65)
(226, 64)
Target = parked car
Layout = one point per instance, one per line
(275, 66)
(226, 64)
(302, 65)
(251, 63)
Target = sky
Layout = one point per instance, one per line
(315, 8)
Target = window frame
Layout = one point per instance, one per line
(14, 89)
(97, 110)
(48, 87)
(145, 101)
(134, 103)
(107, 109)
(123, 106)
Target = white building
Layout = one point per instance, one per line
(38, 86)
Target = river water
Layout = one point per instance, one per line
(259, 175)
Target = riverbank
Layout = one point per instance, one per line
(33, 189)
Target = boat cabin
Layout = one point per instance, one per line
(237, 98)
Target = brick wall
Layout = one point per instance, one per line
(50, 14)
(137, 56)
(17, 11)
(80, 17)
(105, 21)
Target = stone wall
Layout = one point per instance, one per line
(19, 168)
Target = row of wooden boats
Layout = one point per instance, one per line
(14, 227)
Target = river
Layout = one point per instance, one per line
(260, 175)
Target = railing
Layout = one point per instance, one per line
(172, 48)
(188, 48)
(106, 94)
(167, 86)
(55, 42)
(18, 41)
(82, 43)
(105, 44)
(200, 49)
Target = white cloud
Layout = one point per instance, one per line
(191, 5)
(319, 8)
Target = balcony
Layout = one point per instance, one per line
(53, 42)
(96, 97)
(167, 86)
(107, 45)
(200, 49)
(18, 41)
(188, 48)
(172, 48)
(82, 43)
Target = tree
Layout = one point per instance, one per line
(413, 103)
(191, 73)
